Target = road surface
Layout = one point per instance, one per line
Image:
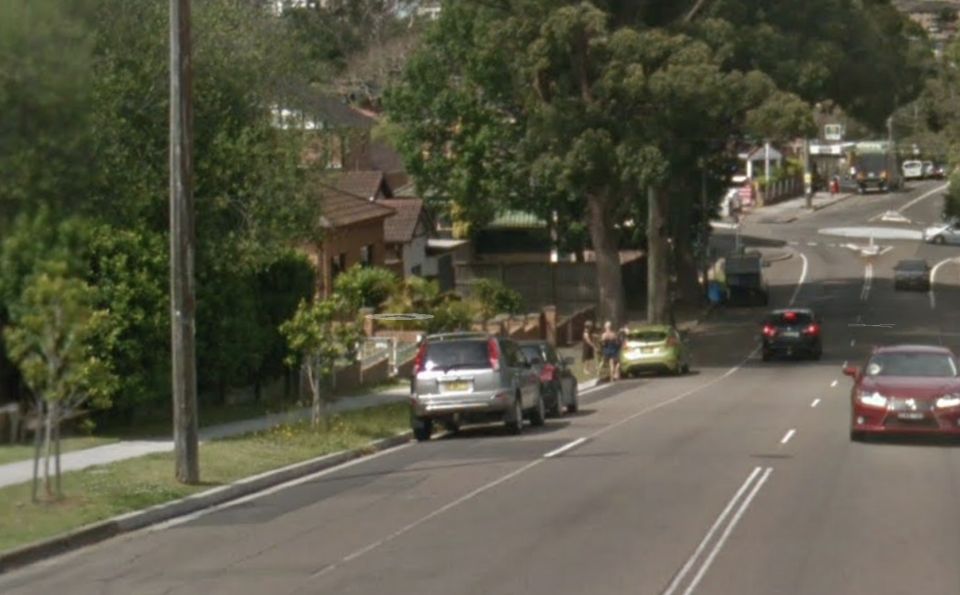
(738, 479)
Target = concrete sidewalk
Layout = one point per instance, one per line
(21, 472)
(787, 211)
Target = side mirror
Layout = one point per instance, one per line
(570, 360)
(853, 371)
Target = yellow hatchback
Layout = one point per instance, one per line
(654, 348)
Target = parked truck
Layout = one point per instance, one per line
(876, 166)
(743, 273)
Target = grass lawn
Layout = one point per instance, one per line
(13, 453)
(98, 493)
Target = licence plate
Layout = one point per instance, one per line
(912, 415)
(791, 334)
(456, 387)
(647, 350)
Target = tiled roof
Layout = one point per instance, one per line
(401, 227)
(396, 180)
(409, 189)
(342, 209)
(361, 183)
(516, 220)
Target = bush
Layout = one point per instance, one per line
(366, 287)
(493, 297)
(454, 314)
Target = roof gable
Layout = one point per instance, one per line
(370, 185)
(342, 209)
(410, 216)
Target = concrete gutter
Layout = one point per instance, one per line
(104, 530)
(835, 202)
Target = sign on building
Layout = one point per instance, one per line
(833, 132)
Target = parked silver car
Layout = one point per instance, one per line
(947, 232)
(461, 378)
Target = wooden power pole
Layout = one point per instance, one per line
(182, 232)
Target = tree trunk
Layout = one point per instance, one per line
(688, 274)
(56, 437)
(313, 376)
(38, 442)
(658, 274)
(52, 411)
(612, 304)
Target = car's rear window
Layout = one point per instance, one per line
(785, 319)
(532, 352)
(928, 365)
(647, 336)
(458, 353)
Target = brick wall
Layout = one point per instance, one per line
(349, 241)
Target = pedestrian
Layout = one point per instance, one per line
(610, 345)
(589, 353)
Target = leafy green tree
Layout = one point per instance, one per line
(423, 296)
(493, 297)
(319, 334)
(366, 287)
(49, 341)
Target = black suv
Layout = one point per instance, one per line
(791, 332)
(911, 274)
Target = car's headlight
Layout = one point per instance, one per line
(873, 399)
(947, 401)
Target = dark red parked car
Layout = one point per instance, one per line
(906, 389)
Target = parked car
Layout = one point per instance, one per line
(557, 380)
(911, 274)
(905, 389)
(945, 233)
(791, 332)
(913, 170)
(461, 378)
(657, 348)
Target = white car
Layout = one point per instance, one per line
(913, 170)
(945, 233)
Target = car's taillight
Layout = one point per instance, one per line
(493, 351)
(769, 331)
(547, 374)
(813, 329)
(421, 356)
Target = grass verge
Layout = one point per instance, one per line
(14, 453)
(98, 493)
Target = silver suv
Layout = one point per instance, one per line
(473, 377)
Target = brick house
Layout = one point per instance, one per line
(406, 236)
(353, 234)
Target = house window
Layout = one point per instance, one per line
(416, 271)
(366, 255)
(338, 264)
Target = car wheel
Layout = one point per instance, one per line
(574, 404)
(556, 409)
(686, 367)
(938, 240)
(514, 419)
(422, 429)
(538, 415)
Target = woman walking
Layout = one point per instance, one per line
(610, 344)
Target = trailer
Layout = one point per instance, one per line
(875, 166)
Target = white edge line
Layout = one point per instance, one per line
(834, 383)
(726, 534)
(716, 526)
(923, 196)
(815, 402)
(853, 342)
(933, 280)
(564, 448)
(788, 436)
(803, 277)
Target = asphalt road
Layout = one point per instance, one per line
(738, 479)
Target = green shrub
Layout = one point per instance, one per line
(493, 297)
(366, 287)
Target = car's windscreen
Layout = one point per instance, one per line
(794, 319)
(930, 365)
(532, 352)
(646, 336)
(912, 266)
(459, 354)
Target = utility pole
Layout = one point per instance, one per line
(182, 232)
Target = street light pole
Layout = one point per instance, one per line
(182, 232)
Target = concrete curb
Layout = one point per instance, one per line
(836, 202)
(588, 384)
(103, 530)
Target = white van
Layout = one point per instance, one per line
(913, 170)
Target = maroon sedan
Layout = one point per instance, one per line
(906, 389)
